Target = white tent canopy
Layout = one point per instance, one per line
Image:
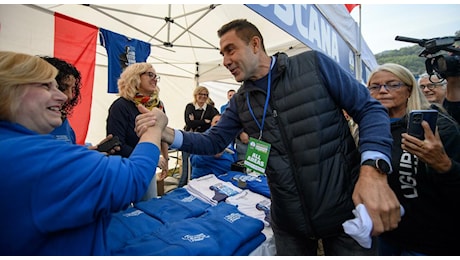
(184, 44)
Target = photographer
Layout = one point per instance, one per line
(443, 66)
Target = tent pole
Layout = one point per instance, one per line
(358, 58)
(197, 75)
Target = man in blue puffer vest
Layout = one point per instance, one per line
(316, 174)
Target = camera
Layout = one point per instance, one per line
(443, 65)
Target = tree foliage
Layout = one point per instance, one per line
(406, 56)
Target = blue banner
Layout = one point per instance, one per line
(308, 25)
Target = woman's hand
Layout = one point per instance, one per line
(111, 151)
(430, 151)
(148, 118)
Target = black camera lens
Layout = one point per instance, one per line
(418, 118)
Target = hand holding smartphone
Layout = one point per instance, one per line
(109, 144)
(416, 117)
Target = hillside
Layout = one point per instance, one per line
(407, 56)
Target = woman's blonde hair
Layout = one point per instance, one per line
(17, 69)
(416, 99)
(198, 90)
(130, 79)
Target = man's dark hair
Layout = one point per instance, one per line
(65, 70)
(244, 29)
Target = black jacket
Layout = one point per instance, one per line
(198, 124)
(431, 199)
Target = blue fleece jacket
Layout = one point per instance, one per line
(57, 198)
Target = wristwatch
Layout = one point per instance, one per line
(380, 164)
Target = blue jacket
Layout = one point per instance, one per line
(431, 221)
(65, 132)
(57, 198)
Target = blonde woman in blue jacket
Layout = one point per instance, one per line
(57, 197)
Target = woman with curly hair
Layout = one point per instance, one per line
(137, 85)
(69, 83)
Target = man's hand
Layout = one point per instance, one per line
(373, 191)
(150, 118)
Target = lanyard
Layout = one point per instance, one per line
(261, 125)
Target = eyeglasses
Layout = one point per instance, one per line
(152, 75)
(430, 86)
(390, 86)
(202, 94)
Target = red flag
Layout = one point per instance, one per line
(350, 7)
(75, 42)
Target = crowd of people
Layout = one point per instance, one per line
(321, 169)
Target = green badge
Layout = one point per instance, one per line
(257, 155)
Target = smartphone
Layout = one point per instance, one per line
(109, 144)
(414, 125)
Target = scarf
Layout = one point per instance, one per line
(148, 101)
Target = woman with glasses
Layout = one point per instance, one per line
(138, 84)
(426, 173)
(198, 116)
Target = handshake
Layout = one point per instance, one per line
(154, 118)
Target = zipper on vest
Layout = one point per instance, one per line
(305, 208)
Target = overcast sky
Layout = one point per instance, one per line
(380, 24)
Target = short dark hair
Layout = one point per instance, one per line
(244, 29)
(66, 69)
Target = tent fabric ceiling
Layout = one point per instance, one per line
(183, 36)
(190, 34)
